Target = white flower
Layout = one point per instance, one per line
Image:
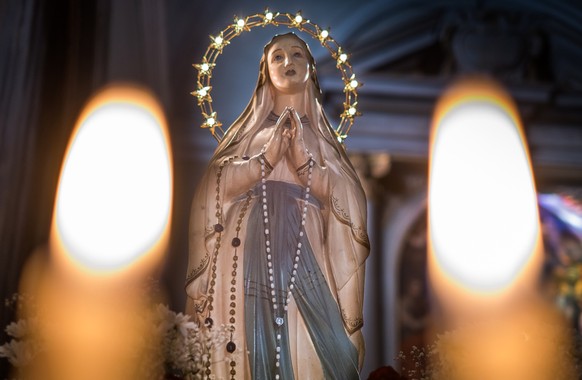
(184, 324)
(169, 320)
(18, 353)
(19, 329)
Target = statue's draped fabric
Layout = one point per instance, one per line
(326, 304)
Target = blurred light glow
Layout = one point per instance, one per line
(483, 217)
(114, 197)
(567, 213)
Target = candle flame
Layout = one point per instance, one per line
(114, 198)
(483, 217)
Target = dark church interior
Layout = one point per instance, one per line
(54, 55)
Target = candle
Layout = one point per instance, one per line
(114, 198)
(484, 232)
(109, 231)
(484, 241)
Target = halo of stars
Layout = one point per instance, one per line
(293, 21)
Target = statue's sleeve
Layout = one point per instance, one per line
(225, 179)
(348, 245)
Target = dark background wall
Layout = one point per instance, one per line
(55, 54)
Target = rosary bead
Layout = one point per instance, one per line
(230, 347)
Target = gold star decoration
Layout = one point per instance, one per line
(204, 68)
(219, 42)
(203, 94)
(210, 121)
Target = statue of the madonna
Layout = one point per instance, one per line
(278, 238)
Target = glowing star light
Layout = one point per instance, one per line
(203, 94)
(204, 68)
(323, 35)
(352, 83)
(211, 122)
(351, 110)
(297, 20)
(240, 25)
(269, 16)
(341, 58)
(219, 42)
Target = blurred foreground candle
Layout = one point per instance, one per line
(485, 241)
(485, 248)
(109, 232)
(114, 197)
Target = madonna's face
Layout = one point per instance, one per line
(288, 65)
